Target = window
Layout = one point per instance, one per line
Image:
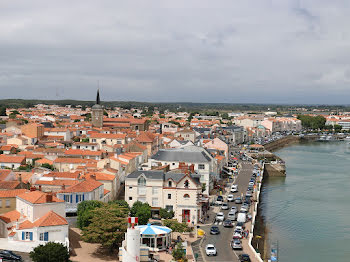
(201, 166)
(79, 198)
(142, 199)
(94, 140)
(173, 164)
(186, 196)
(44, 236)
(186, 183)
(155, 202)
(66, 198)
(141, 181)
(170, 184)
(13, 166)
(130, 198)
(130, 187)
(27, 236)
(92, 147)
(7, 203)
(169, 196)
(155, 190)
(169, 208)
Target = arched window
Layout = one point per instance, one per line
(186, 183)
(186, 196)
(141, 181)
(170, 184)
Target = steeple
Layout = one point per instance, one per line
(98, 97)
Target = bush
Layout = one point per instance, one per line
(142, 211)
(176, 226)
(51, 252)
(164, 213)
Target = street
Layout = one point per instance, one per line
(222, 241)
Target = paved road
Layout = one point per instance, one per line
(222, 241)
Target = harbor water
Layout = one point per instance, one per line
(308, 212)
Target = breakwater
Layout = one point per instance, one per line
(280, 143)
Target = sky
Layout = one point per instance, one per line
(262, 51)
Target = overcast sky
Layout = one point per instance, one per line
(263, 51)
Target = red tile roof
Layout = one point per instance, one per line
(109, 136)
(50, 219)
(12, 193)
(37, 197)
(84, 186)
(11, 216)
(11, 159)
(4, 173)
(9, 184)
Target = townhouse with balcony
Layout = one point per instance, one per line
(177, 192)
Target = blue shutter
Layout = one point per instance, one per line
(23, 235)
(76, 199)
(31, 236)
(46, 236)
(83, 197)
(71, 198)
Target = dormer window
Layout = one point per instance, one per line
(186, 183)
(186, 196)
(141, 181)
(170, 184)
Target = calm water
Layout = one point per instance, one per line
(308, 212)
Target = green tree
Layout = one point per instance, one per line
(50, 252)
(166, 214)
(176, 226)
(85, 140)
(179, 253)
(121, 203)
(337, 128)
(225, 116)
(48, 166)
(84, 212)
(76, 139)
(107, 227)
(142, 211)
(2, 111)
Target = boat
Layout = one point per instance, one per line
(347, 138)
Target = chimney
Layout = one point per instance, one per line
(192, 168)
(49, 198)
(20, 178)
(63, 187)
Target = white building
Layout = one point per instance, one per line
(38, 218)
(173, 191)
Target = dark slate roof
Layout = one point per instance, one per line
(174, 176)
(150, 174)
(181, 155)
(182, 142)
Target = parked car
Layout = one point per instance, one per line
(219, 200)
(220, 217)
(249, 193)
(224, 206)
(237, 234)
(210, 250)
(230, 198)
(214, 230)
(238, 200)
(244, 258)
(228, 223)
(7, 255)
(244, 208)
(234, 188)
(251, 183)
(236, 244)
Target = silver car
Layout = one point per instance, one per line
(231, 215)
(236, 244)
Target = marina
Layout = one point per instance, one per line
(306, 211)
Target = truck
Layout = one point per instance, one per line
(242, 217)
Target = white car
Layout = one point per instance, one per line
(231, 215)
(251, 183)
(210, 250)
(224, 206)
(220, 217)
(234, 209)
(234, 188)
(230, 198)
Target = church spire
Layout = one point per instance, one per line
(98, 97)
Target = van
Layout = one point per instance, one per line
(242, 217)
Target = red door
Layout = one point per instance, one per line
(185, 215)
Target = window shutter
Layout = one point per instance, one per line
(83, 197)
(76, 199)
(46, 236)
(71, 198)
(23, 235)
(31, 236)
